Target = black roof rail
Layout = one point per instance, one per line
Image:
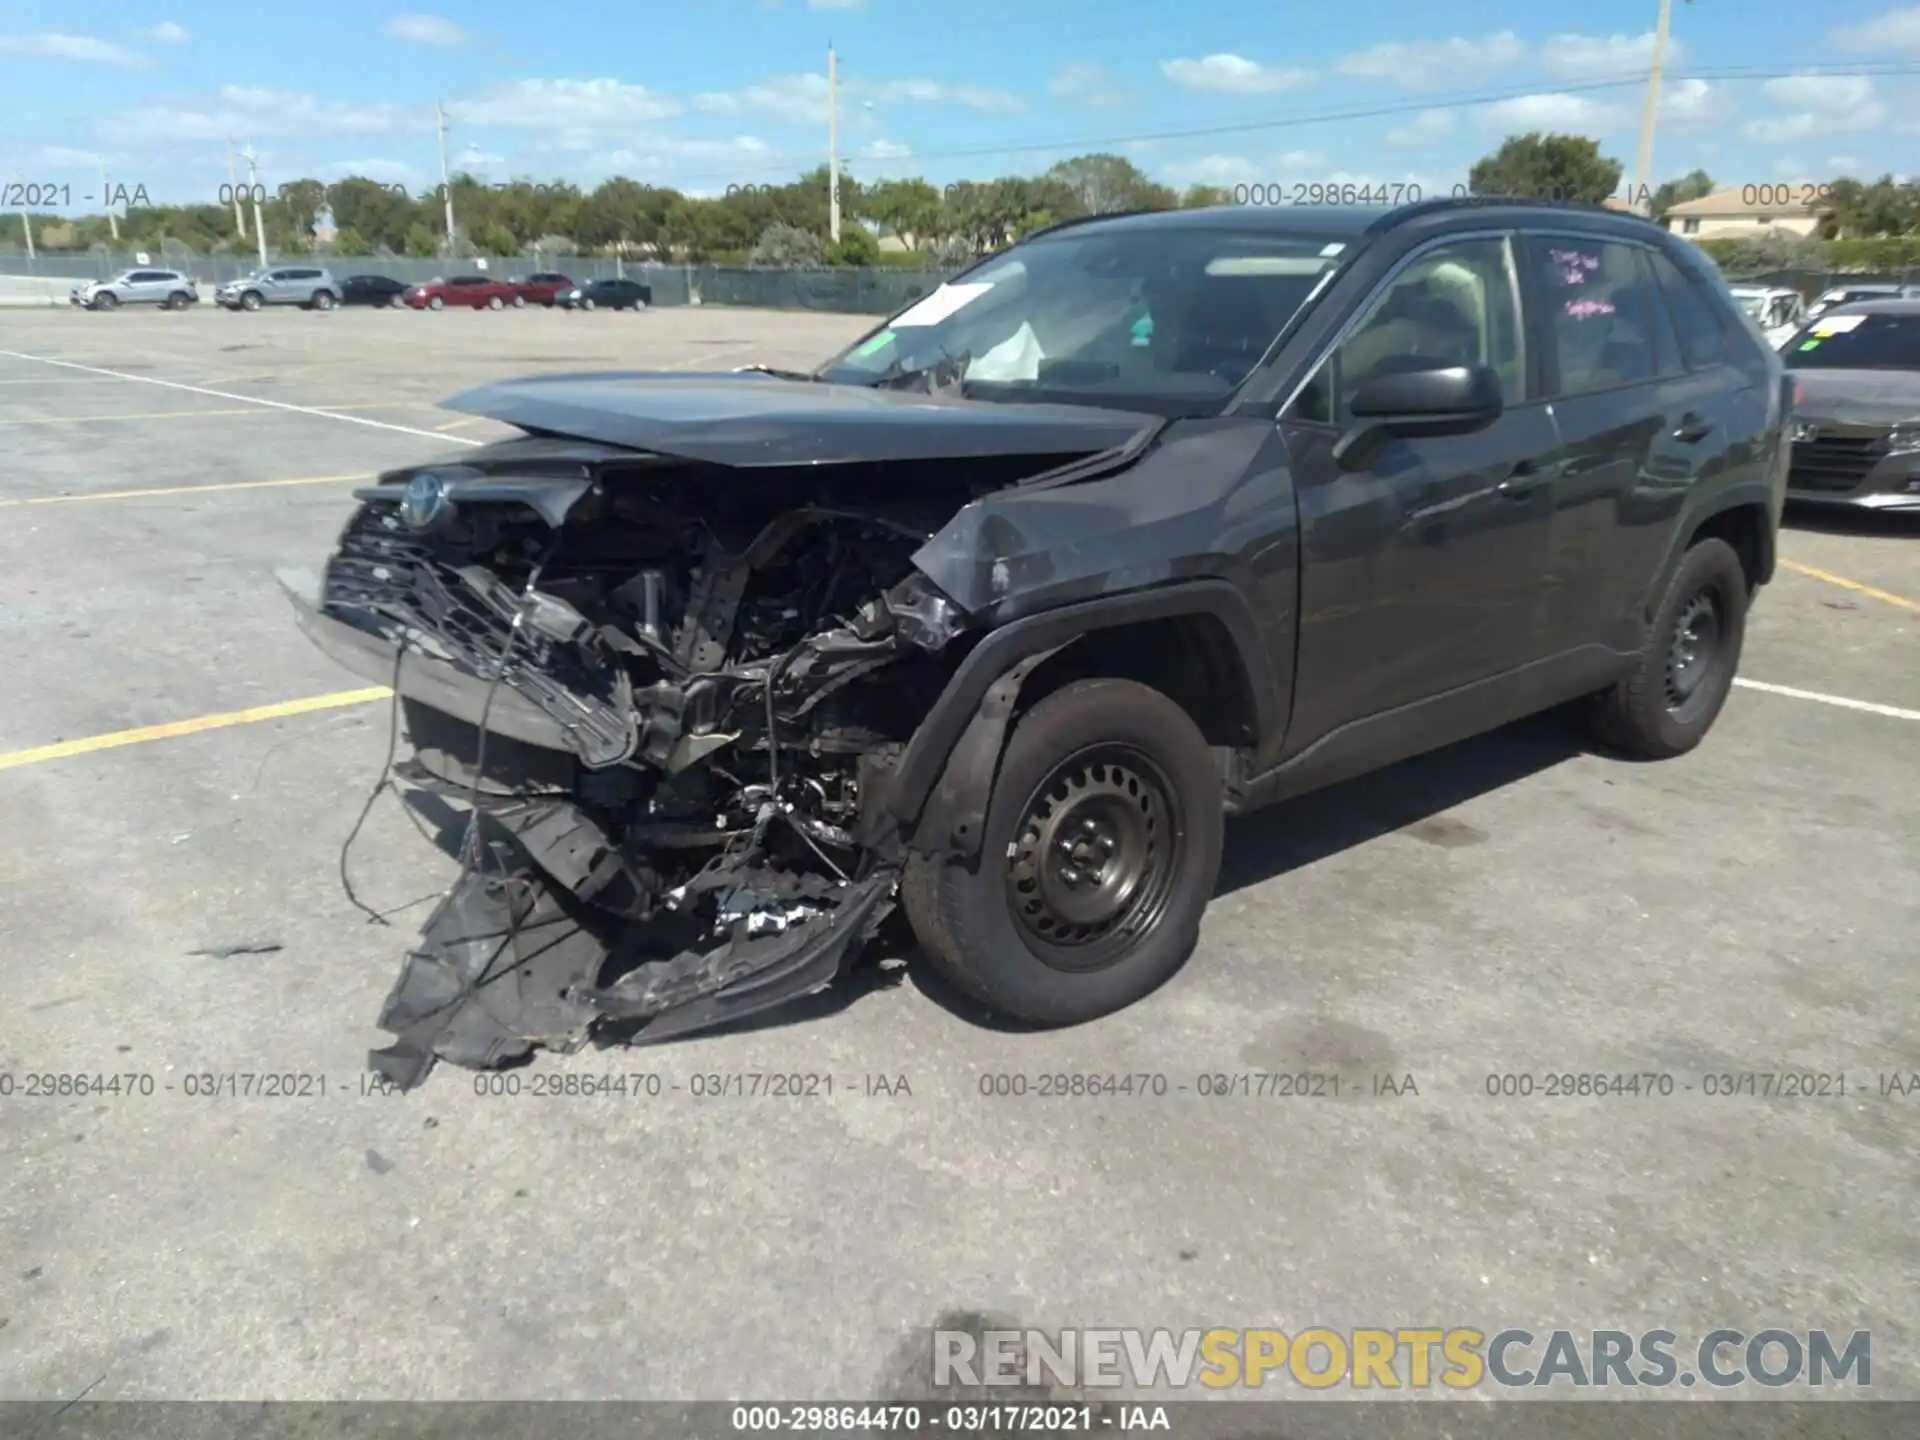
(1440, 203)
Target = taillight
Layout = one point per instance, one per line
(1799, 394)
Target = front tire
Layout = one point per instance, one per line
(251, 300)
(1099, 856)
(494, 302)
(586, 304)
(519, 302)
(436, 303)
(105, 301)
(1669, 700)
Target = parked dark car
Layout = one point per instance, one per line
(1856, 436)
(606, 295)
(1147, 521)
(378, 290)
(541, 289)
(473, 292)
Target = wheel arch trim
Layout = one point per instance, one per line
(957, 746)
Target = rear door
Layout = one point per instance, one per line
(1422, 572)
(146, 287)
(1639, 425)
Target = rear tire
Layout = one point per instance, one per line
(1099, 855)
(323, 300)
(519, 302)
(177, 300)
(1670, 699)
(494, 302)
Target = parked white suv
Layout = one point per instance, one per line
(168, 289)
(307, 286)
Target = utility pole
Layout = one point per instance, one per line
(833, 146)
(233, 189)
(106, 194)
(1643, 169)
(26, 225)
(446, 180)
(259, 224)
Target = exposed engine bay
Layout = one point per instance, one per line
(713, 678)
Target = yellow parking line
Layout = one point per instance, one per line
(201, 414)
(67, 748)
(1854, 585)
(181, 490)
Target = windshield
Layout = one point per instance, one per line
(1754, 305)
(1857, 342)
(1170, 320)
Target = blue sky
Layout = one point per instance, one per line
(725, 92)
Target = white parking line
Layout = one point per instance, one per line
(249, 399)
(1892, 712)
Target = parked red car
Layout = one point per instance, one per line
(541, 289)
(475, 292)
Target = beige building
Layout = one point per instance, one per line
(1746, 212)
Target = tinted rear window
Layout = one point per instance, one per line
(1697, 319)
(1857, 342)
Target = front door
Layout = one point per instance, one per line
(1422, 572)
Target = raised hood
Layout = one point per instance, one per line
(1859, 397)
(749, 419)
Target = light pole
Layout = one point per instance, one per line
(833, 146)
(1643, 168)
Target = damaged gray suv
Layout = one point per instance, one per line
(997, 615)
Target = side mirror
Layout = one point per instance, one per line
(1426, 397)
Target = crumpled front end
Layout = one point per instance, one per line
(671, 699)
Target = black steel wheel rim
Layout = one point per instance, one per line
(1092, 862)
(1694, 648)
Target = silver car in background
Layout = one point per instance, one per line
(307, 286)
(168, 289)
(1856, 430)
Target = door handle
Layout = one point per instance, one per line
(1523, 479)
(1693, 427)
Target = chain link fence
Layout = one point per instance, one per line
(880, 290)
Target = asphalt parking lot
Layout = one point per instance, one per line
(1510, 905)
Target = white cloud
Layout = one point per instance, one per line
(577, 114)
(1819, 104)
(1612, 57)
(426, 30)
(165, 33)
(1895, 30)
(1426, 128)
(1233, 75)
(1551, 110)
(836, 4)
(253, 111)
(884, 150)
(1692, 104)
(474, 158)
(1847, 164)
(797, 99)
(1223, 170)
(1088, 83)
(802, 99)
(387, 172)
(73, 47)
(1434, 64)
(983, 98)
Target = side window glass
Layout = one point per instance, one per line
(1666, 341)
(1703, 339)
(1599, 312)
(1454, 304)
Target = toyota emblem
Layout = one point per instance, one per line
(425, 498)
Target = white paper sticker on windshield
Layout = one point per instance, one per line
(939, 305)
(1837, 324)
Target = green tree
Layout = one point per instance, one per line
(1196, 197)
(1107, 184)
(856, 246)
(908, 210)
(350, 242)
(421, 242)
(1694, 185)
(1552, 167)
(787, 247)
